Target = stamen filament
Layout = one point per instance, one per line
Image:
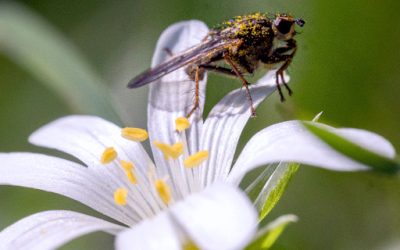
(148, 201)
(141, 203)
(143, 197)
(178, 178)
(152, 177)
(190, 177)
(128, 167)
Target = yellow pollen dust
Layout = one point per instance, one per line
(163, 190)
(190, 245)
(173, 151)
(120, 196)
(128, 167)
(108, 155)
(134, 134)
(182, 123)
(196, 159)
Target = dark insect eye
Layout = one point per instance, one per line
(284, 26)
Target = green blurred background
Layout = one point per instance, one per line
(347, 66)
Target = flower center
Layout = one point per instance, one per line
(155, 189)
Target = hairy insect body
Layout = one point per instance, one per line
(255, 35)
(243, 44)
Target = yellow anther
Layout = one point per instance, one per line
(128, 167)
(173, 151)
(120, 196)
(196, 159)
(182, 123)
(134, 134)
(163, 190)
(108, 155)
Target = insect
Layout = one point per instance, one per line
(242, 44)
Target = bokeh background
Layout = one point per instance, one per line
(347, 66)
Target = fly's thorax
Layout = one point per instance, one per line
(255, 38)
(282, 47)
(281, 53)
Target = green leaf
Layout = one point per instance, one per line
(270, 233)
(256, 180)
(276, 186)
(375, 161)
(37, 47)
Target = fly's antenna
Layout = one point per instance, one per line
(300, 22)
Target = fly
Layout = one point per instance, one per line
(243, 44)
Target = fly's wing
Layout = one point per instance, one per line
(192, 55)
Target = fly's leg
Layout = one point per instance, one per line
(196, 74)
(279, 73)
(196, 92)
(287, 59)
(244, 82)
(284, 55)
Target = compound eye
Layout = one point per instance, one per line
(284, 26)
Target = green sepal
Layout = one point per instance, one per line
(375, 161)
(283, 174)
(268, 235)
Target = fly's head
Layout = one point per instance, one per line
(284, 26)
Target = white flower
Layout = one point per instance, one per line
(188, 194)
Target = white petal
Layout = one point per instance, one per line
(221, 217)
(86, 137)
(172, 96)
(62, 177)
(151, 234)
(51, 229)
(292, 142)
(225, 123)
